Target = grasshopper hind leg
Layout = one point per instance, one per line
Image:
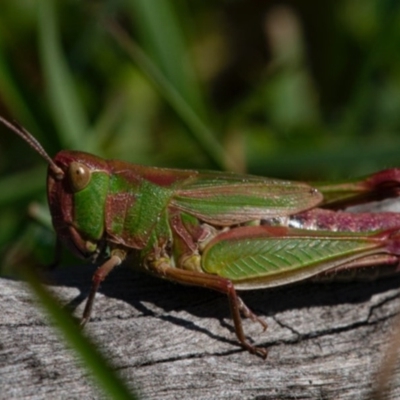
(249, 314)
(162, 268)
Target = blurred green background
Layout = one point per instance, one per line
(301, 90)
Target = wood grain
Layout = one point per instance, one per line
(325, 341)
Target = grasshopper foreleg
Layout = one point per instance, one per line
(101, 273)
(162, 267)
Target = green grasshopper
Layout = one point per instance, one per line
(221, 231)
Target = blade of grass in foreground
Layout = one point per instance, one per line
(96, 364)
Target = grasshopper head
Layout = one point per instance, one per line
(77, 200)
(77, 185)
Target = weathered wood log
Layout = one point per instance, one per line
(325, 341)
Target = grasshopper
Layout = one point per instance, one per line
(222, 231)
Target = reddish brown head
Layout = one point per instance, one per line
(77, 169)
(68, 173)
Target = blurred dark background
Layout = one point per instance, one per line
(304, 90)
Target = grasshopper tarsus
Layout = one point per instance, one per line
(258, 351)
(261, 352)
(82, 322)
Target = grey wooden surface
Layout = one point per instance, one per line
(325, 341)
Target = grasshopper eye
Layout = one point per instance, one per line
(79, 176)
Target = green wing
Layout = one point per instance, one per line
(228, 199)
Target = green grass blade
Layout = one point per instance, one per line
(104, 375)
(201, 133)
(64, 102)
(163, 40)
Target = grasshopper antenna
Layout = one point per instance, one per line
(32, 141)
